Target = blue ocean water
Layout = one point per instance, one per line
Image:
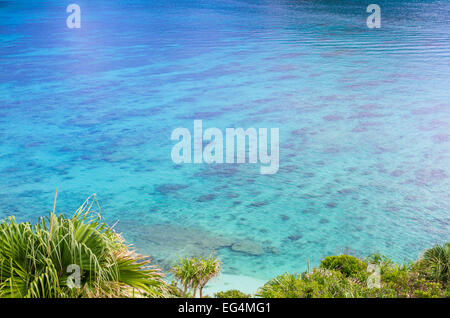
(364, 117)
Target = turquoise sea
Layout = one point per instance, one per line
(363, 114)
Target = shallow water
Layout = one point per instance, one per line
(363, 116)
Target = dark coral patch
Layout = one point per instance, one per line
(332, 117)
(282, 68)
(289, 168)
(217, 171)
(258, 204)
(231, 195)
(434, 124)
(295, 237)
(345, 191)
(441, 138)
(331, 150)
(410, 198)
(428, 177)
(362, 115)
(359, 129)
(221, 187)
(170, 188)
(299, 132)
(206, 197)
(331, 204)
(309, 211)
(397, 173)
(288, 146)
(430, 110)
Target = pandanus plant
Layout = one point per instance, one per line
(41, 260)
(437, 263)
(185, 271)
(208, 269)
(195, 273)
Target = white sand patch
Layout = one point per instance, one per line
(224, 282)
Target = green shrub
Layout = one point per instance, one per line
(349, 266)
(320, 283)
(283, 286)
(427, 290)
(397, 278)
(446, 292)
(232, 293)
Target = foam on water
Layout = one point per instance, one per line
(363, 117)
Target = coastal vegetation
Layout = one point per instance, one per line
(232, 293)
(81, 256)
(346, 276)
